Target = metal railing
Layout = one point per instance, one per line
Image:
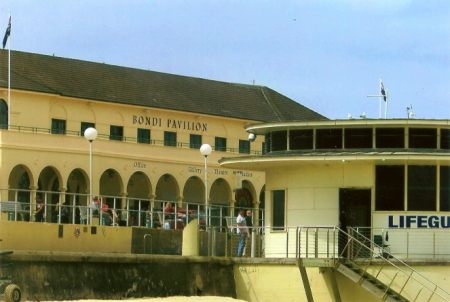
(409, 243)
(129, 139)
(122, 211)
(364, 256)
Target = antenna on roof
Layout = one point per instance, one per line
(409, 112)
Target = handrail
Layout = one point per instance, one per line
(370, 247)
(130, 139)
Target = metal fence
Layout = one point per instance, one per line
(72, 208)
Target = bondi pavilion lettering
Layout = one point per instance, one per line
(170, 123)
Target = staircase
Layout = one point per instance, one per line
(367, 281)
(365, 263)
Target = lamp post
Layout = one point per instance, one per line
(206, 150)
(90, 134)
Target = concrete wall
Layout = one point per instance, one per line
(71, 276)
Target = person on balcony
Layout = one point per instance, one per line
(168, 211)
(242, 231)
(40, 210)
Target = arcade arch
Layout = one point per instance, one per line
(20, 178)
(77, 183)
(139, 187)
(111, 184)
(167, 188)
(220, 192)
(194, 191)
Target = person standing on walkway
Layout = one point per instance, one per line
(249, 223)
(242, 231)
(40, 210)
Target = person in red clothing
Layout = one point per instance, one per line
(168, 210)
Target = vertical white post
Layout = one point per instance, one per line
(90, 184)
(9, 76)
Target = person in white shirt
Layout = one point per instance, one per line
(242, 231)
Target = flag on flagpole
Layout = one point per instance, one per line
(383, 92)
(7, 33)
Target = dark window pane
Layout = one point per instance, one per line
(58, 126)
(278, 211)
(84, 126)
(244, 146)
(329, 139)
(444, 188)
(421, 188)
(445, 139)
(195, 141)
(268, 142)
(116, 133)
(301, 139)
(390, 138)
(143, 136)
(389, 188)
(170, 139)
(263, 147)
(279, 141)
(358, 138)
(3, 114)
(220, 144)
(423, 138)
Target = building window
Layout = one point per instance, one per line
(423, 138)
(116, 133)
(444, 188)
(329, 139)
(390, 138)
(358, 138)
(143, 136)
(421, 188)
(278, 210)
(220, 144)
(195, 141)
(84, 126)
(268, 145)
(279, 140)
(445, 139)
(244, 146)
(389, 188)
(301, 139)
(263, 148)
(3, 114)
(58, 126)
(170, 139)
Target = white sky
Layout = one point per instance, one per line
(325, 54)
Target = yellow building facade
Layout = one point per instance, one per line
(150, 127)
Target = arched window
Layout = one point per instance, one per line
(3, 114)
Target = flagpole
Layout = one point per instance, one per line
(379, 110)
(386, 105)
(9, 78)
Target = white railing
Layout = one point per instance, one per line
(124, 211)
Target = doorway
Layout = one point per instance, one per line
(355, 211)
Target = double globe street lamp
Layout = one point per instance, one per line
(90, 134)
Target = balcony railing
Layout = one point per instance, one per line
(123, 211)
(128, 139)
